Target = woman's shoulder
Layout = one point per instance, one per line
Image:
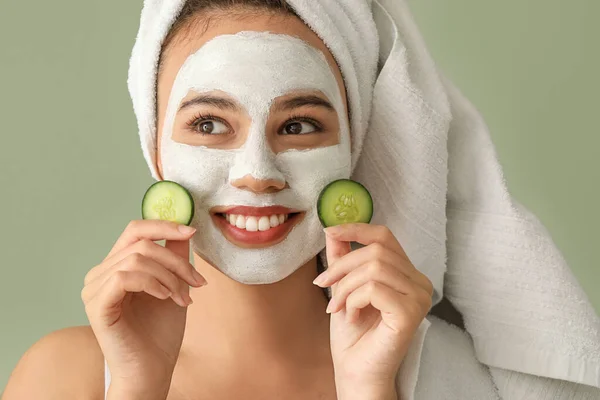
(64, 364)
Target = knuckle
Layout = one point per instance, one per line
(119, 277)
(385, 232)
(426, 284)
(425, 298)
(86, 279)
(89, 275)
(84, 293)
(132, 225)
(429, 286)
(376, 268)
(145, 245)
(134, 259)
(371, 287)
(378, 249)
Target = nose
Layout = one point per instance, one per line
(254, 168)
(248, 182)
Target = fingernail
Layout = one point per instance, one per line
(330, 306)
(319, 280)
(331, 229)
(186, 230)
(188, 300)
(198, 278)
(178, 298)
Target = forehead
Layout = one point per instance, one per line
(178, 52)
(256, 67)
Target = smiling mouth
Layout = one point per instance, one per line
(256, 227)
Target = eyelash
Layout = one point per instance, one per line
(193, 123)
(304, 118)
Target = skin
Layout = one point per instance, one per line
(289, 343)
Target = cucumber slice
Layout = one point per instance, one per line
(168, 200)
(344, 201)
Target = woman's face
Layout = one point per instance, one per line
(235, 121)
(253, 122)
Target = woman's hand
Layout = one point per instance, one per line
(379, 299)
(126, 297)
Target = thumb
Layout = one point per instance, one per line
(334, 250)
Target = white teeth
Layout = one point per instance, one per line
(240, 222)
(251, 224)
(263, 224)
(274, 221)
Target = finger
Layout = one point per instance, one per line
(366, 234)
(374, 271)
(398, 311)
(366, 255)
(182, 249)
(172, 261)
(105, 307)
(140, 263)
(152, 230)
(378, 295)
(335, 249)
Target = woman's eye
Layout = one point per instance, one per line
(211, 127)
(299, 128)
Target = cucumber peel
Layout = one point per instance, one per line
(344, 201)
(169, 201)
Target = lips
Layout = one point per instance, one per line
(255, 227)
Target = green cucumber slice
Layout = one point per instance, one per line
(168, 200)
(344, 201)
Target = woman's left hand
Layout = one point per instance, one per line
(379, 299)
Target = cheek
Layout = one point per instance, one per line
(309, 171)
(205, 171)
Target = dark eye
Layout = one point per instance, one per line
(299, 128)
(210, 127)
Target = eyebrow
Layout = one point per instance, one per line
(285, 105)
(303, 101)
(210, 100)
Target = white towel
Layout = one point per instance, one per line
(426, 155)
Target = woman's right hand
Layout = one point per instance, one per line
(136, 301)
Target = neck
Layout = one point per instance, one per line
(282, 322)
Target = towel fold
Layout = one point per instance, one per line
(425, 154)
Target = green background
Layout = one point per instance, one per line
(72, 172)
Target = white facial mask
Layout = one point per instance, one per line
(255, 68)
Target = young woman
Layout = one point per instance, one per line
(253, 116)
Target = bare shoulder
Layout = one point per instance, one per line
(65, 364)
